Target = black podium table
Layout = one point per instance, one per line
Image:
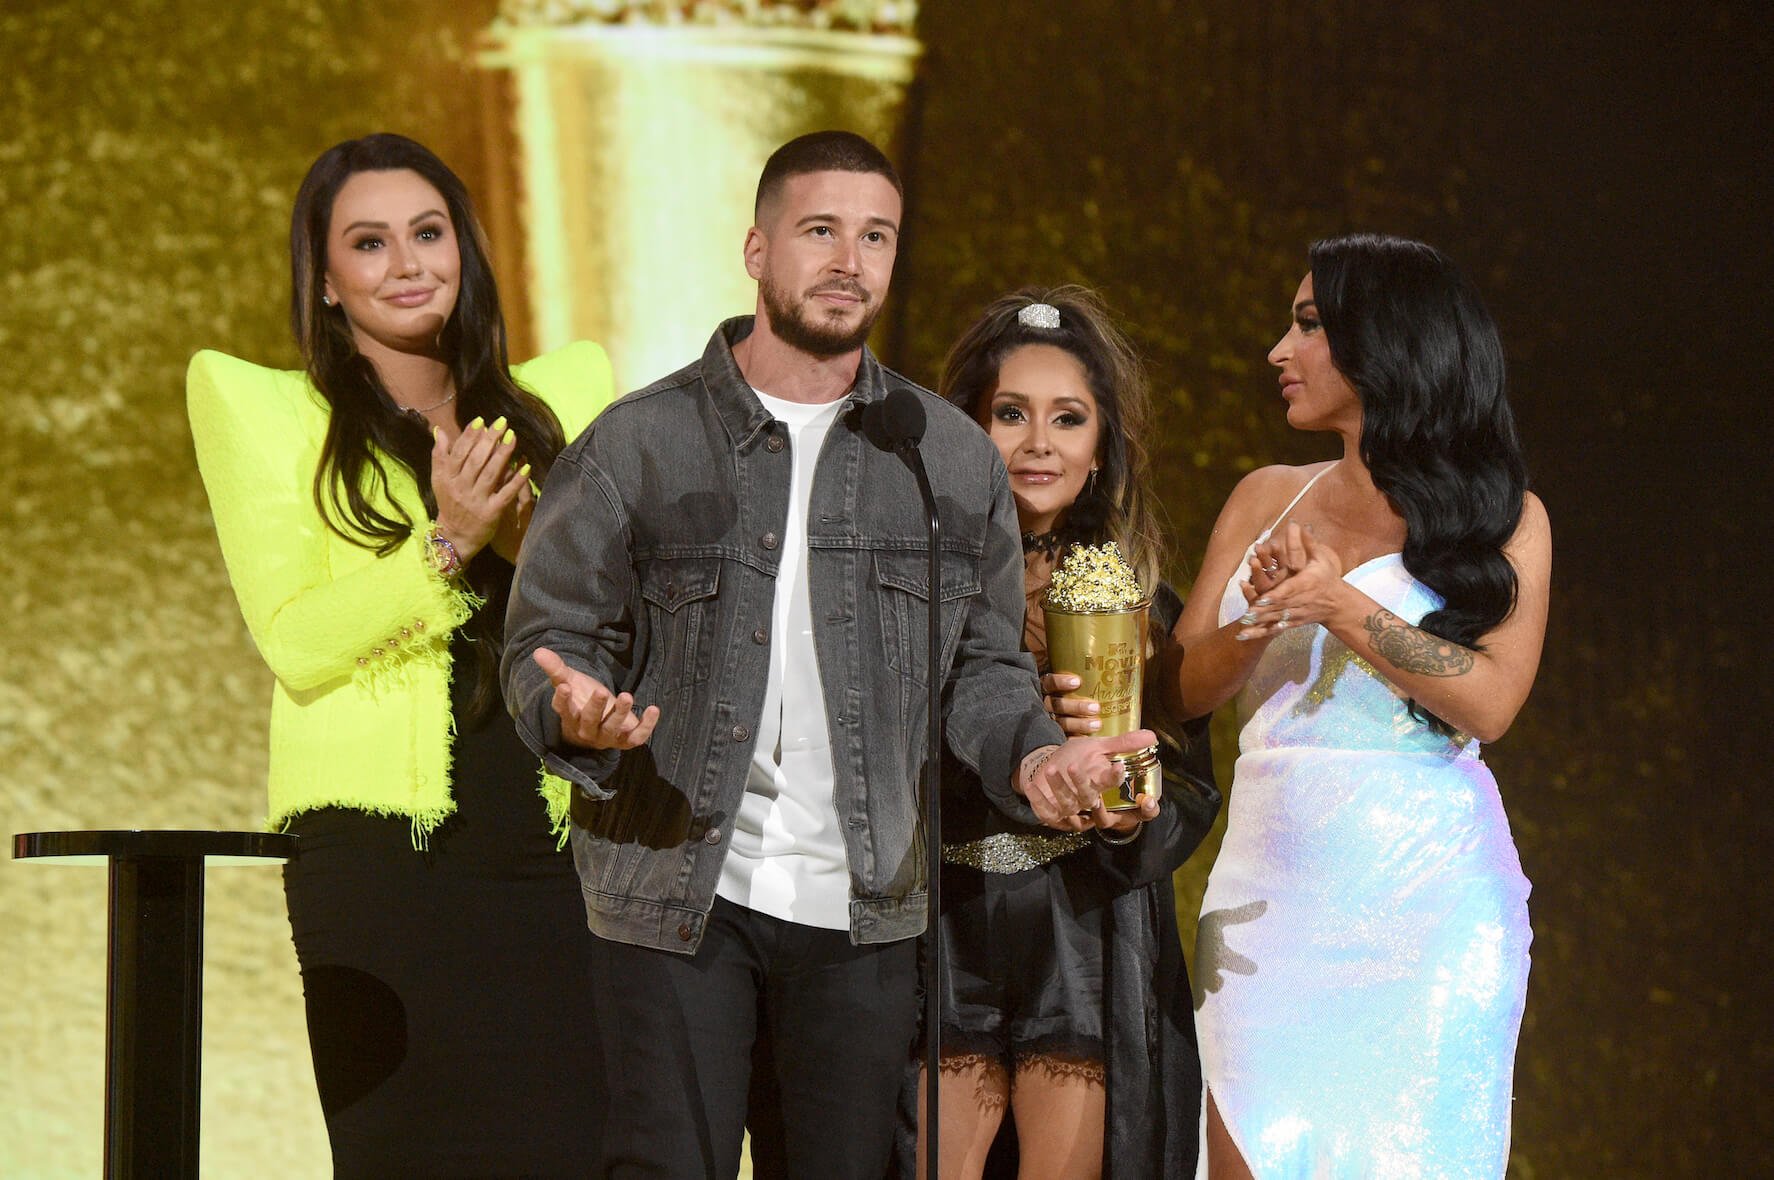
(154, 981)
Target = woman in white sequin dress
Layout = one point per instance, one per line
(1363, 950)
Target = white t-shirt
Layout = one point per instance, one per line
(787, 858)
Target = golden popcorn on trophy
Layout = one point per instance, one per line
(1096, 630)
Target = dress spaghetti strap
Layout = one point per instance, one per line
(1264, 535)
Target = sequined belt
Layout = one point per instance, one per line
(1012, 852)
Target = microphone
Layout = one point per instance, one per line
(896, 422)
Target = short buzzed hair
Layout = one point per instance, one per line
(822, 151)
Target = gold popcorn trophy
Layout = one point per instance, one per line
(1096, 630)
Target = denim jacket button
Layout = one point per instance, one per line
(768, 540)
(774, 443)
(760, 636)
(740, 733)
(712, 836)
(684, 931)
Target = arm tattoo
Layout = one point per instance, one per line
(1413, 650)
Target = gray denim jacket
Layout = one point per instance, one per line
(651, 564)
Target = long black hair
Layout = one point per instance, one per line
(1412, 336)
(1116, 505)
(366, 427)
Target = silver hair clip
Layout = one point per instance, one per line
(1039, 315)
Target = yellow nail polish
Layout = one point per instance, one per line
(510, 435)
(524, 471)
(478, 423)
(498, 424)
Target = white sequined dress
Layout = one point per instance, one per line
(1363, 951)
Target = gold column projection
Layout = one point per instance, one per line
(640, 147)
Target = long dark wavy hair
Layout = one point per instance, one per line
(1116, 505)
(1411, 334)
(366, 429)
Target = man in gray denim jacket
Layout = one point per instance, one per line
(717, 635)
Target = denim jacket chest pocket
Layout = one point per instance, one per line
(679, 593)
(904, 579)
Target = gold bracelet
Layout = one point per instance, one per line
(1119, 841)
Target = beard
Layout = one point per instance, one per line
(810, 331)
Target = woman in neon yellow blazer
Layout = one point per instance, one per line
(369, 510)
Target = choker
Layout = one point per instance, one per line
(1047, 542)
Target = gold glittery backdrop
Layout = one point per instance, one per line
(1177, 153)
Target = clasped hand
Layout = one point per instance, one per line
(1294, 580)
(480, 498)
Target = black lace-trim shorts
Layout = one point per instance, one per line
(1025, 958)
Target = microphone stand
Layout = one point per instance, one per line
(896, 424)
(932, 822)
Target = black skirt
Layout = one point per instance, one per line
(445, 988)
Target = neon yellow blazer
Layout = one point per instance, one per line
(359, 644)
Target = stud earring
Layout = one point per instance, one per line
(327, 299)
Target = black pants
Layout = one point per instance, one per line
(679, 1034)
(440, 989)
